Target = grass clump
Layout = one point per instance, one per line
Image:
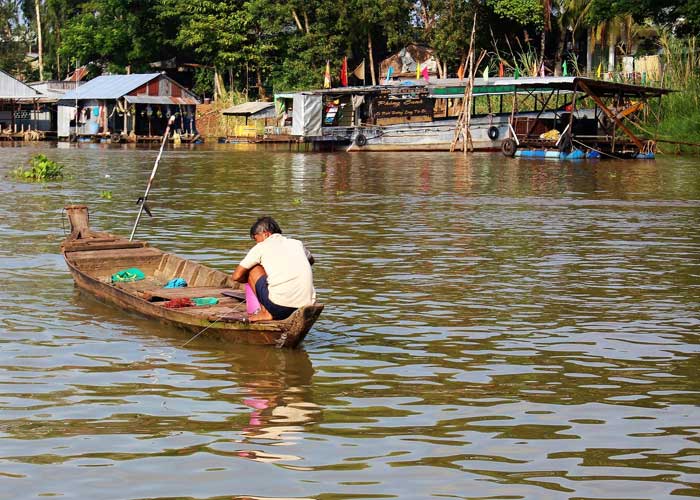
(40, 169)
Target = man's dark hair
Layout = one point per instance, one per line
(263, 224)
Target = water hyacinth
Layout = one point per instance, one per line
(40, 169)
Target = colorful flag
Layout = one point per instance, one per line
(486, 73)
(460, 71)
(600, 68)
(418, 73)
(564, 70)
(501, 70)
(425, 74)
(327, 76)
(344, 73)
(360, 71)
(389, 72)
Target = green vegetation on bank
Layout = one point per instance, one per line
(680, 111)
(258, 45)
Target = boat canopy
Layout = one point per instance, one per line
(453, 87)
(449, 88)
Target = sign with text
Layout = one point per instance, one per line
(410, 105)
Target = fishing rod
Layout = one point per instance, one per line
(142, 201)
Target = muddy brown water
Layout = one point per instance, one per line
(494, 328)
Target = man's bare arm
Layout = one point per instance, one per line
(240, 274)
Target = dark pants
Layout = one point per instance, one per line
(263, 294)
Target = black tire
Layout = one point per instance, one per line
(493, 132)
(360, 140)
(509, 147)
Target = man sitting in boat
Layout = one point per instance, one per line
(278, 269)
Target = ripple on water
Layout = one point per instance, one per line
(504, 328)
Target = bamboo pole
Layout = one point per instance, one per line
(464, 117)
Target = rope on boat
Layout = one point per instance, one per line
(594, 149)
(212, 322)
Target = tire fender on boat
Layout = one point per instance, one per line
(509, 147)
(360, 140)
(493, 132)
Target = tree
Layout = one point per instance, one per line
(216, 33)
(117, 34)
(524, 12)
(56, 16)
(609, 23)
(310, 38)
(378, 25)
(683, 16)
(13, 38)
(40, 43)
(569, 15)
(447, 25)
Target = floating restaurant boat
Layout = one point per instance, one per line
(596, 122)
(95, 258)
(404, 116)
(506, 112)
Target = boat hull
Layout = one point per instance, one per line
(486, 134)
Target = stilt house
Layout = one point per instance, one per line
(12, 94)
(119, 106)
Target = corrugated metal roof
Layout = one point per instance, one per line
(152, 99)
(109, 86)
(248, 108)
(11, 88)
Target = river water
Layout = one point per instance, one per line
(494, 328)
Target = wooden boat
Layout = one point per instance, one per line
(93, 257)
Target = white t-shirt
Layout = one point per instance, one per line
(289, 276)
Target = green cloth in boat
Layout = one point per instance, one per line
(205, 301)
(127, 275)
